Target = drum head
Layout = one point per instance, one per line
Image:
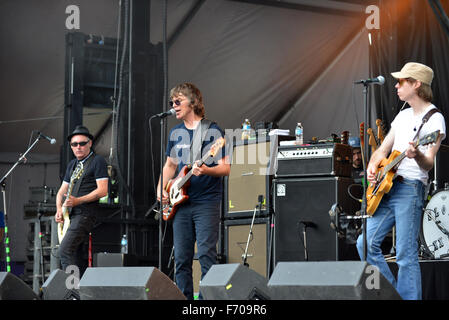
(435, 225)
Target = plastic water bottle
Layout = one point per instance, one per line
(299, 133)
(246, 130)
(124, 244)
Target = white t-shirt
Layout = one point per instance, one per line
(404, 125)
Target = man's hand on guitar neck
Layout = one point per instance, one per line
(412, 152)
(199, 170)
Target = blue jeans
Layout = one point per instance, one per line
(195, 222)
(402, 207)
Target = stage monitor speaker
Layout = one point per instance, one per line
(127, 283)
(108, 259)
(249, 178)
(325, 280)
(55, 287)
(305, 203)
(233, 282)
(236, 236)
(13, 288)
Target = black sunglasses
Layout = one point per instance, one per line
(82, 143)
(177, 102)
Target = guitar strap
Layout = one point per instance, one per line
(425, 119)
(199, 134)
(86, 163)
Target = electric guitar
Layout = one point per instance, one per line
(177, 187)
(380, 131)
(385, 174)
(63, 226)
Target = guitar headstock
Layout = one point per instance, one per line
(428, 138)
(77, 172)
(362, 134)
(217, 146)
(345, 137)
(380, 130)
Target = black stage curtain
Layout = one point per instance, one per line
(410, 31)
(434, 278)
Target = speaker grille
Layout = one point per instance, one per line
(309, 200)
(236, 237)
(337, 280)
(249, 178)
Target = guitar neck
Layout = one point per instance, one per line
(393, 163)
(398, 159)
(186, 178)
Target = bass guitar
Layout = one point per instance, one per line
(63, 226)
(177, 187)
(386, 171)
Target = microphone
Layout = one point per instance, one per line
(166, 113)
(379, 80)
(308, 224)
(52, 140)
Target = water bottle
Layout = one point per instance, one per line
(299, 133)
(246, 130)
(124, 244)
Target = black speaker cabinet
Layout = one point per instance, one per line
(233, 282)
(249, 177)
(303, 204)
(55, 287)
(13, 288)
(127, 283)
(236, 236)
(324, 280)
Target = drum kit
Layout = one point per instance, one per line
(434, 234)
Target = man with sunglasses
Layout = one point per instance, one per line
(402, 205)
(83, 202)
(198, 219)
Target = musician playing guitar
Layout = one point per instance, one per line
(198, 218)
(83, 203)
(402, 205)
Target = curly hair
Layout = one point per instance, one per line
(190, 91)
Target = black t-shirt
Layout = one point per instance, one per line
(202, 188)
(96, 169)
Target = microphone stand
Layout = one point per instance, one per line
(364, 180)
(245, 255)
(304, 234)
(161, 208)
(22, 158)
(38, 246)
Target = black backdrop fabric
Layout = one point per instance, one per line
(409, 31)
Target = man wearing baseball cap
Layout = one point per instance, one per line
(357, 165)
(402, 206)
(82, 202)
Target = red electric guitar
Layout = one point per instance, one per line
(177, 187)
